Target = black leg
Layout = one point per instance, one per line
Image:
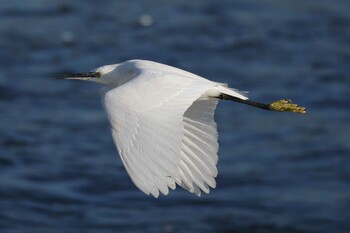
(279, 105)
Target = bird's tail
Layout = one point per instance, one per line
(233, 92)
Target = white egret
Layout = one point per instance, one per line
(162, 121)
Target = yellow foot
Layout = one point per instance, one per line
(286, 106)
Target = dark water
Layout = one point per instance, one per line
(277, 172)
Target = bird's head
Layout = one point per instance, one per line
(100, 75)
(113, 75)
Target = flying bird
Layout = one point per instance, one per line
(162, 122)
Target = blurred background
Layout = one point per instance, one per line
(60, 172)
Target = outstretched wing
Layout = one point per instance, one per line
(164, 132)
(199, 147)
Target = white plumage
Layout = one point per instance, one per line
(162, 121)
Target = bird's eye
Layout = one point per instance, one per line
(97, 74)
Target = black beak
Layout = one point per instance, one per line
(81, 76)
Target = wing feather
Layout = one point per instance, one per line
(200, 146)
(186, 179)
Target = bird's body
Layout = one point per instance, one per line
(162, 121)
(163, 125)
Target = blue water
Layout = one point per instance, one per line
(59, 170)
